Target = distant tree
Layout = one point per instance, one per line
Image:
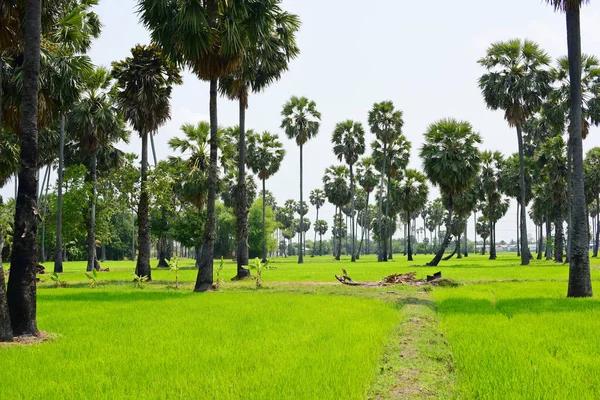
(265, 154)
(348, 145)
(367, 178)
(317, 199)
(321, 228)
(412, 196)
(337, 190)
(301, 122)
(592, 183)
(451, 161)
(483, 230)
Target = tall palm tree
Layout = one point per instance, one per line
(580, 283)
(517, 81)
(301, 122)
(21, 291)
(451, 161)
(366, 173)
(144, 85)
(592, 183)
(317, 199)
(97, 123)
(348, 145)
(262, 64)
(211, 38)
(265, 154)
(337, 190)
(489, 179)
(412, 196)
(386, 123)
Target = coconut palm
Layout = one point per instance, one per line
(335, 183)
(211, 39)
(265, 154)
(412, 195)
(317, 199)
(386, 124)
(144, 84)
(517, 81)
(366, 173)
(301, 122)
(262, 64)
(348, 145)
(451, 161)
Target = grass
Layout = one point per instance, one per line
(507, 332)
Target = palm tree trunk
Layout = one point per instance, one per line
(204, 279)
(597, 238)
(21, 291)
(475, 230)
(518, 243)
(44, 212)
(569, 195)
(143, 261)
(466, 253)
(523, 215)
(548, 235)
(5, 329)
(301, 258)
(241, 204)
(380, 255)
(132, 235)
(541, 242)
(447, 237)
(483, 248)
(315, 239)
(580, 283)
(389, 231)
(458, 253)
(409, 246)
(264, 233)
(91, 238)
(58, 259)
(320, 244)
(362, 232)
(352, 204)
(558, 239)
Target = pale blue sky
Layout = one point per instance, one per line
(420, 54)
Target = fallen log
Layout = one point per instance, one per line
(408, 278)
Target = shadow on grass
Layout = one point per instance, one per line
(408, 301)
(512, 307)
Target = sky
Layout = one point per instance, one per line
(422, 55)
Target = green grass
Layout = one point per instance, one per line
(508, 333)
(522, 340)
(114, 344)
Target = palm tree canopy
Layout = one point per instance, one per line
(336, 185)
(317, 198)
(517, 79)
(398, 155)
(321, 227)
(265, 154)
(567, 5)
(558, 108)
(385, 122)
(301, 120)
(366, 174)
(144, 84)
(450, 155)
(265, 61)
(412, 191)
(509, 182)
(348, 141)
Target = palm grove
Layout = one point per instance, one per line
(60, 112)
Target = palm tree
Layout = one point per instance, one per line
(144, 84)
(301, 122)
(367, 178)
(321, 228)
(348, 145)
(335, 183)
(592, 184)
(386, 123)
(451, 162)
(317, 199)
(21, 291)
(96, 122)
(580, 283)
(262, 64)
(483, 230)
(265, 154)
(412, 196)
(492, 164)
(517, 81)
(211, 39)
